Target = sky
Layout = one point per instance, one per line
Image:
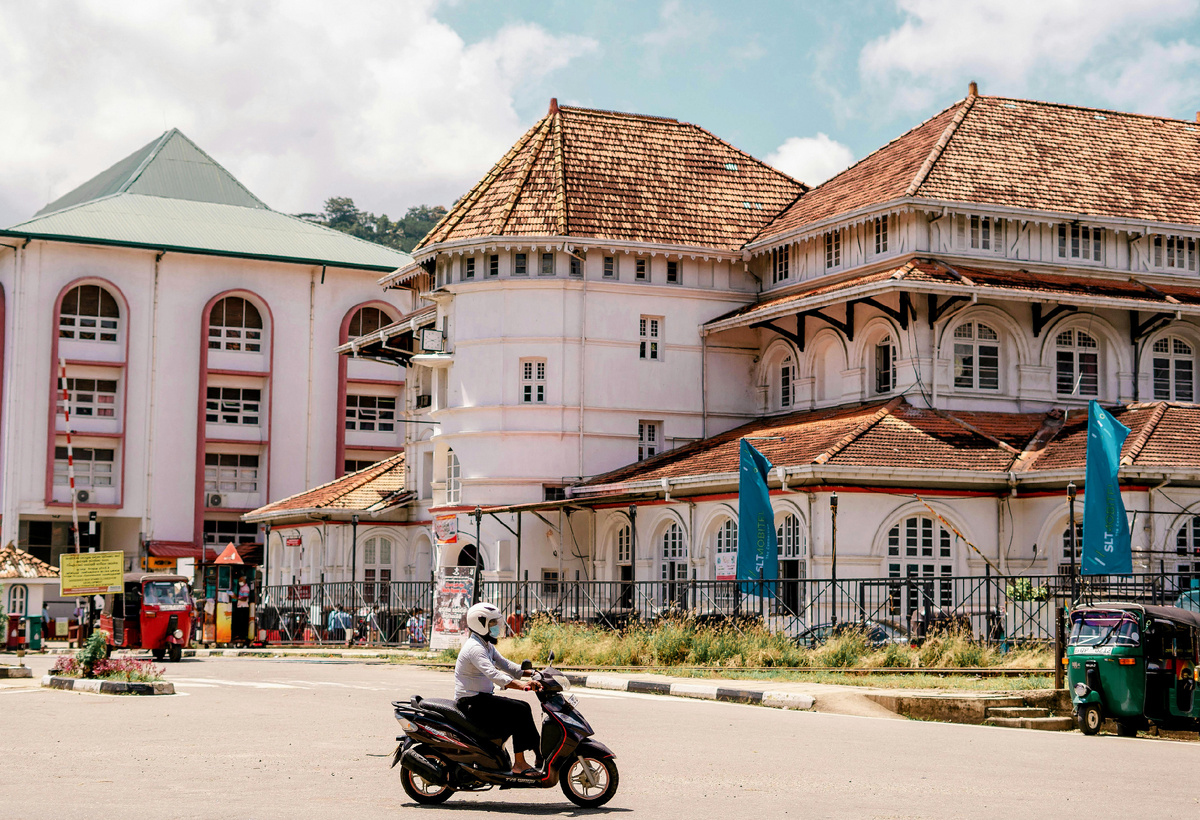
(409, 102)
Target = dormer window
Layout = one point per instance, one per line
(469, 268)
(1174, 253)
(881, 234)
(833, 250)
(780, 259)
(1081, 242)
(980, 233)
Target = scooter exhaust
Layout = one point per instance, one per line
(430, 771)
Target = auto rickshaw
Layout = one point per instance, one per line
(154, 612)
(1135, 664)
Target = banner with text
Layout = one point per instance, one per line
(452, 599)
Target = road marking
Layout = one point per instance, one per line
(220, 682)
(16, 691)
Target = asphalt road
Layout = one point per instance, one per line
(250, 738)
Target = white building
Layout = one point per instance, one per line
(197, 328)
(622, 298)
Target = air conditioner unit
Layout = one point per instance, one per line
(215, 500)
(82, 496)
(424, 401)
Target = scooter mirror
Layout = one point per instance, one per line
(551, 658)
(526, 664)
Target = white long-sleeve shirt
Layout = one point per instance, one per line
(479, 667)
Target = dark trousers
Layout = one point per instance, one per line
(502, 717)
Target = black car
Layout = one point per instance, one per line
(878, 634)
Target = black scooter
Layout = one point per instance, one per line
(441, 752)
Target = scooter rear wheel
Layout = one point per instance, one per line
(421, 790)
(590, 782)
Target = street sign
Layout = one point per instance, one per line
(292, 541)
(158, 564)
(91, 573)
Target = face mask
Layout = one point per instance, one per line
(494, 630)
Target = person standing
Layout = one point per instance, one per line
(516, 622)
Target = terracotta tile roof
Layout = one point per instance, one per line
(16, 563)
(367, 490)
(1024, 154)
(898, 435)
(608, 175)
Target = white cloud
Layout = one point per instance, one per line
(1011, 47)
(301, 100)
(677, 26)
(812, 160)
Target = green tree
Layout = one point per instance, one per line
(341, 214)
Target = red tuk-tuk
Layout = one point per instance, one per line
(154, 612)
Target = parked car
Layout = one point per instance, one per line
(1189, 600)
(878, 633)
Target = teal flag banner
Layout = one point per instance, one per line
(1106, 548)
(757, 548)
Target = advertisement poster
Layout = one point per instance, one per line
(726, 566)
(445, 529)
(91, 573)
(455, 586)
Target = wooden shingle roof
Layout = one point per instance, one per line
(602, 174)
(367, 490)
(16, 563)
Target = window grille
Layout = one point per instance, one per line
(90, 398)
(533, 381)
(93, 467)
(233, 405)
(230, 473)
(371, 413)
(1077, 361)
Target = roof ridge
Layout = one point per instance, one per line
(620, 114)
(1144, 434)
(366, 476)
(378, 464)
(935, 153)
(40, 216)
(138, 171)
(971, 428)
(1052, 423)
(459, 209)
(845, 441)
(561, 221)
(208, 157)
(1050, 104)
(519, 184)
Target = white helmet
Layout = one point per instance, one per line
(481, 617)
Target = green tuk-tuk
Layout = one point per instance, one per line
(1134, 664)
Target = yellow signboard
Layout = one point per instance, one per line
(158, 564)
(91, 573)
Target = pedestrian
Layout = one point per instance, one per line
(516, 623)
(335, 624)
(416, 627)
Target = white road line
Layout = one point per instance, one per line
(250, 684)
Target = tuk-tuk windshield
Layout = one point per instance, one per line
(166, 593)
(1104, 629)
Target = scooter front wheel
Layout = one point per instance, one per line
(590, 782)
(421, 790)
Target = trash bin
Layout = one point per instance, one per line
(34, 626)
(12, 633)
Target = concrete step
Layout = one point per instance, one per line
(1047, 724)
(1017, 712)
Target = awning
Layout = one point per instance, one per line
(177, 549)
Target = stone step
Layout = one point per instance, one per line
(1017, 712)
(1047, 724)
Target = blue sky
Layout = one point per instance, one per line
(400, 102)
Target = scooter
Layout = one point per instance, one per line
(441, 752)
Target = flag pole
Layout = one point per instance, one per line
(1073, 539)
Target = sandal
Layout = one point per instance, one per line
(526, 772)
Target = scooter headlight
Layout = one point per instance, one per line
(1081, 689)
(178, 633)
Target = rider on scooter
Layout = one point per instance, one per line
(479, 667)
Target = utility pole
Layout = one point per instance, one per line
(833, 507)
(1073, 540)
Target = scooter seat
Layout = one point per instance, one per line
(448, 711)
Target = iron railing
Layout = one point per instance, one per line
(992, 608)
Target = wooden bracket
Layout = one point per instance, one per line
(937, 311)
(1040, 320)
(901, 315)
(1139, 330)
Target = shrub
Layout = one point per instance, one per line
(120, 669)
(843, 650)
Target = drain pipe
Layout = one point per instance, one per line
(147, 509)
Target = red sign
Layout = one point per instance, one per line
(303, 592)
(293, 541)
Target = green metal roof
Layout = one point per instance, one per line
(171, 195)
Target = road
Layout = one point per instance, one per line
(250, 738)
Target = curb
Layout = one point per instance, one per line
(15, 672)
(774, 700)
(107, 687)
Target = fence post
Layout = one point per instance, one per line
(762, 601)
(1058, 646)
(987, 605)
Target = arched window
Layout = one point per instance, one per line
(235, 324)
(885, 365)
(368, 320)
(976, 357)
(18, 599)
(453, 478)
(89, 313)
(725, 550)
(1187, 551)
(377, 567)
(673, 550)
(625, 566)
(787, 383)
(1077, 364)
(920, 558)
(624, 546)
(792, 567)
(1174, 370)
(468, 556)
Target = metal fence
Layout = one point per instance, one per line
(992, 608)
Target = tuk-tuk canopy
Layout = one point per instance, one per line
(1165, 613)
(142, 577)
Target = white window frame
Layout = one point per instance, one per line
(789, 537)
(232, 472)
(453, 478)
(976, 232)
(74, 324)
(641, 269)
(1076, 351)
(968, 342)
(468, 270)
(546, 264)
(1079, 243)
(241, 338)
(726, 537)
(787, 383)
(381, 419)
(89, 402)
(236, 410)
(90, 471)
(624, 550)
(651, 338)
(493, 261)
(533, 381)
(650, 439)
(1173, 253)
(18, 600)
(878, 385)
(833, 250)
(673, 554)
(781, 264)
(612, 267)
(881, 234)
(1178, 352)
(520, 264)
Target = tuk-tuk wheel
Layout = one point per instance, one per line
(175, 652)
(1126, 729)
(1089, 719)
(158, 654)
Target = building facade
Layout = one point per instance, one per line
(192, 330)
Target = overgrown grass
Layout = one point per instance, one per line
(683, 643)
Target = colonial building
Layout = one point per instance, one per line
(621, 298)
(196, 327)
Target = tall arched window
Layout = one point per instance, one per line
(787, 383)
(377, 567)
(792, 568)
(1174, 370)
(625, 566)
(1077, 364)
(89, 313)
(1187, 551)
(885, 365)
(673, 551)
(235, 324)
(18, 599)
(725, 549)
(976, 357)
(368, 320)
(453, 478)
(920, 557)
